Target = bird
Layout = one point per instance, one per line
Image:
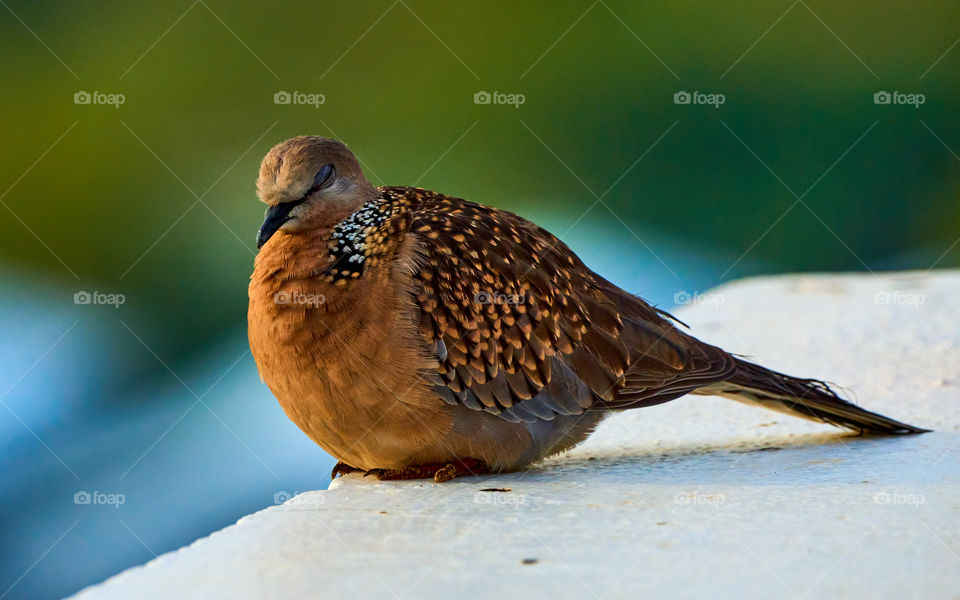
(412, 334)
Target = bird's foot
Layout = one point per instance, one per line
(342, 468)
(437, 471)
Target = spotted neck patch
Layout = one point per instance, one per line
(359, 241)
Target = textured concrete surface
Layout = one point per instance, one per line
(701, 497)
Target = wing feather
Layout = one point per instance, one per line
(521, 328)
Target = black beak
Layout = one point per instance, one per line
(276, 216)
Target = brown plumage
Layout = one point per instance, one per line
(410, 333)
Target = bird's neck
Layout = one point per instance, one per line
(330, 268)
(299, 306)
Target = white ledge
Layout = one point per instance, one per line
(701, 497)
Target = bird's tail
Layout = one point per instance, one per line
(806, 398)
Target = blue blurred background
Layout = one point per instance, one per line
(133, 133)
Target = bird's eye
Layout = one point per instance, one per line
(322, 177)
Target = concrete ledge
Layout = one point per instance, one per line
(701, 497)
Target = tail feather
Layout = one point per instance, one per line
(806, 398)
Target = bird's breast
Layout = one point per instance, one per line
(342, 360)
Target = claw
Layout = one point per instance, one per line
(439, 472)
(445, 473)
(342, 468)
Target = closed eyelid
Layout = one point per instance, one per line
(323, 176)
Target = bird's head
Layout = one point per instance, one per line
(309, 182)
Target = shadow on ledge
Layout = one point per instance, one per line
(801, 459)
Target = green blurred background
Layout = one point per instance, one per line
(798, 170)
